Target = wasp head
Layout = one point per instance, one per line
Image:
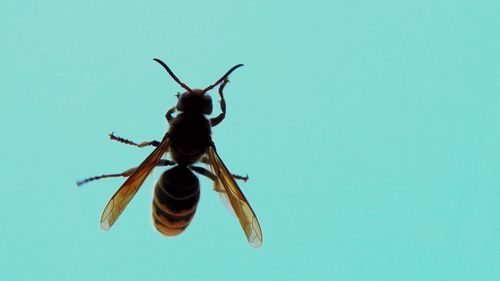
(195, 100)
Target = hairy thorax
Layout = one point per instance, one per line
(190, 136)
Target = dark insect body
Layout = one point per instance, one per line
(177, 191)
(190, 137)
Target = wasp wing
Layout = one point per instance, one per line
(129, 188)
(226, 185)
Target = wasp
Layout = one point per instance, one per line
(177, 191)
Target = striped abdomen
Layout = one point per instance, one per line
(175, 199)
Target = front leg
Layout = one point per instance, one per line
(216, 120)
(169, 116)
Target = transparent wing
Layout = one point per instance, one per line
(129, 188)
(225, 184)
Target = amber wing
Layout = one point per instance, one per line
(240, 205)
(129, 188)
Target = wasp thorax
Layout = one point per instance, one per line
(195, 102)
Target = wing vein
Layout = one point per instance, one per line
(239, 203)
(130, 187)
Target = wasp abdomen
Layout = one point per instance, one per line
(175, 199)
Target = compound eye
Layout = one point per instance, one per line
(207, 99)
(207, 104)
(181, 101)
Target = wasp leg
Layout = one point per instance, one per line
(169, 116)
(216, 120)
(238, 177)
(127, 173)
(165, 162)
(129, 142)
(204, 172)
(205, 160)
(124, 174)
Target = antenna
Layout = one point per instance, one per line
(173, 75)
(222, 78)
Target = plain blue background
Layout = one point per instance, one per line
(370, 131)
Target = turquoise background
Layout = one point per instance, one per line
(370, 131)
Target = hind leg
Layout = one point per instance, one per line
(127, 173)
(205, 160)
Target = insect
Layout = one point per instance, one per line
(177, 191)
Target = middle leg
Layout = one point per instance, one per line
(129, 142)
